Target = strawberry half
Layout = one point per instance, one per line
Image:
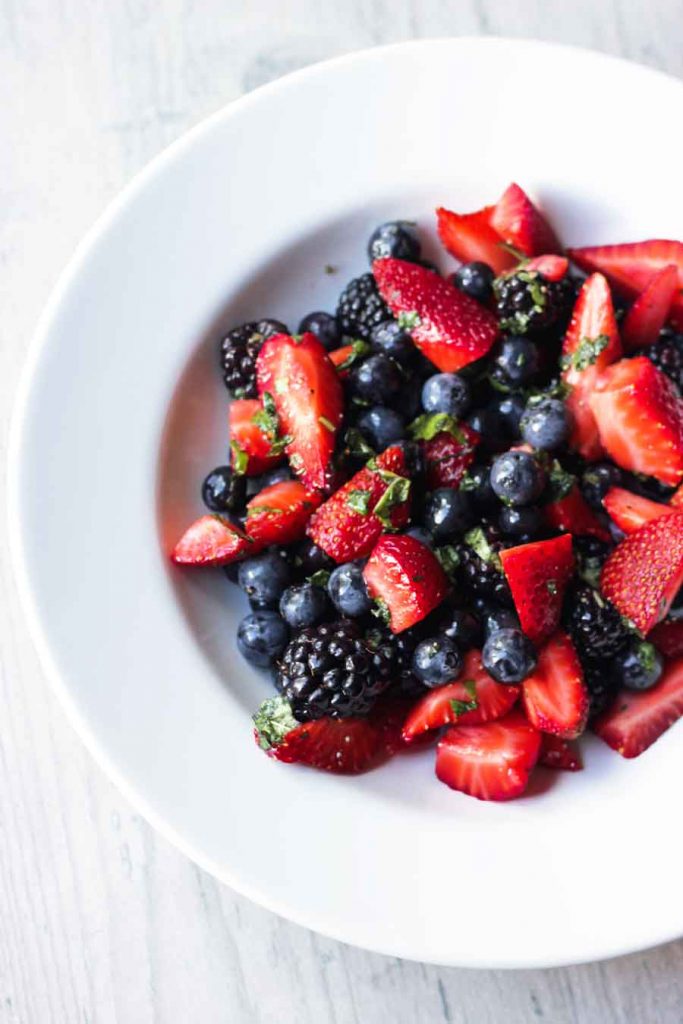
(303, 384)
(639, 414)
(406, 578)
(448, 455)
(351, 521)
(631, 266)
(643, 574)
(538, 574)
(590, 345)
(489, 762)
(553, 268)
(559, 753)
(667, 637)
(248, 439)
(631, 511)
(456, 701)
(522, 225)
(448, 327)
(573, 514)
(279, 514)
(211, 540)
(649, 312)
(636, 720)
(469, 237)
(677, 499)
(555, 697)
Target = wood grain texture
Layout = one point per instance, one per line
(101, 920)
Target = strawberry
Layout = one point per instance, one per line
(448, 327)
(639, 414)
(559, 753)
(667, 637)
(631, 511)
(490, 762)
(470, 237)
(553, 268)
(249, 439)
(304, 387)
(555, 697)
(345, 357)
(521, 225)
(635, 720)
(645, 571)
(649, 312)
(471, 700)
(351, 521)
(677, 499)
(449, 454)
(590, 345)
(631, 266)
(406, 578)
(211, 540)
(574, 514)
(538, 574)
(279, 514)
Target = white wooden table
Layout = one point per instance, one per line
(100, 919)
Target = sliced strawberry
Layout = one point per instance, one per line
(448, 327)
(555, 697)
(631, 266)
(448, 455)
(631, 511)
(635, 720)
(492, 761)
(590, 345)
(346, 356)
(677, 499)
(553, 268)
(573, 514)
(639, 414)
(351, 521)
(211, 540)
(279, 514)
(455, 701)
(407, 578)
(522, 225)
(538, 574)
(645, 571)
(559, 753)
(667, 637)
(304, 385)
(649, 312)
(248, 438)
(470, 237)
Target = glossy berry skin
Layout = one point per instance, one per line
(475, 279)
(495, 618)
(436, 661)
(381, 426)
(515, 362)
(361, 308)
(424, 536)
(509, 656)
(516, 478)
(263, 578)
(239, 350)
(479, 488)
(509, 410)
(638, 667)
(304, 605)
(397, 239)
(446, 392)
(546, 424)
(391, 339)
(223, 490)
(256, 484)
(347, 590)
(460, 626)
(377, 379)
(520, 523)
(597, 480)
(309, 558)
(262, 637)
(489, 424)
(447, 513)
(325, 328)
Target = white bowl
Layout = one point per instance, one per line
(123, 411)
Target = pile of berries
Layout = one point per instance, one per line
(452, 504)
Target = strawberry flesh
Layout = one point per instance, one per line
(560, 754)
(538, 574)
(573, 514)
(447, 457)
(470, 238)
(555, 697)
(668, 638)
(211, 540)
(631, 511)
(407, 578)
(279, 514)
(521, 225)
(248, 438)
(553, 268)
(649, 312)
(636, 720)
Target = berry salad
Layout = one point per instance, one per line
(454, 504)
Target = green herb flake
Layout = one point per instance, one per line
(356, 445)
(470, 688)
(381, 610)
(273, 720)
(240, 459)
(327, 424)
(551, 587)
(330, 268)
(396, 494)
(448, 557)
(408, 321)
(359, 501)
(266, 417)
(647, 654)
(476, 539)
(319, 578)
(560, 482)
(263, 510)
(428, 425)
(359, 350)
(586, 353)
(461, 707)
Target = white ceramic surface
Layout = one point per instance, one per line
(123, 410)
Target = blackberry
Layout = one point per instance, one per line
(239, 349)
(526, 301)
(361, 308)
(667, 355)
(601, 684)
(480, 569)
(404, 644)
(596, 626)
(335, 670)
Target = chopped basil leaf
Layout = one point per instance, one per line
(319, 578)
(381, 610)
(429, 424)
(273, 720)
(586, 353)
(240, 459)
(476, 539)
(448, 557)
(409, 321)
(359, 349)
(397, 493)
(356, 444)
(359, 501)
(327, 424)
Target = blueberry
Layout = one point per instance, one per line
(309, 558)
(447, 513)
(520, 522)
(436, 661)
(509, 410)
(304, 605)
(262, 637)
(223, 490)
(396, 238)
(489, 424)
(475, 279)
(495, 617)
(232, 572)
(515, 362)
(446, 392)
(638, 667)
(347, 590)
(596, 482)
(381, 426)
(263, 578)
(424, 536)
(509, 656)
(393, 340)
(479, 487)
(377, 379)
(517, 478)
(545, 424)
(274, 476)
(325, 328)
(460, 626)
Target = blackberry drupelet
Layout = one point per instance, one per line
(526, 301)
(335, 670)
(361, 308)
(667, 355)
(601, 685)
(239, 349)
(596, 626)
(480, 570)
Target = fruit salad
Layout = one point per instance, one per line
(455, 504)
